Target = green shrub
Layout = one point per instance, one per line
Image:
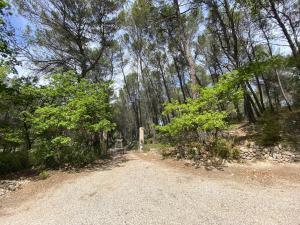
(157, 146)
(77, 157)
(43, 156)
(269, 130)
(13, 161)
(47, 156)
(190, 153)
(235, 153)
(225, 149)
(43, 175)
(167, 152)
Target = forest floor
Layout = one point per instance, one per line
(140, 188)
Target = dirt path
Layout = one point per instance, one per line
(145, 191)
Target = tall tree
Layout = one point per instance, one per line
(71, 34)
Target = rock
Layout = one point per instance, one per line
(276, 149)
(197, 166)
(2, 192)
(297, 159)
(188, 162)
(286, 153)
(11, 187)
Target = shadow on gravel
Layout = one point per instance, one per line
(107, 163)
(24, 174)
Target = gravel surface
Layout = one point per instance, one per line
(143, 192)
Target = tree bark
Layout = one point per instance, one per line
(185, 49)
(282, 91)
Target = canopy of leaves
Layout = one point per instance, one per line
(72, 106)
(208, 111)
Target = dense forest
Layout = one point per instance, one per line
(100, 69)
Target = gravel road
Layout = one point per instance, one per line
(144, 192)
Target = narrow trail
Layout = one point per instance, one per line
(140, 191)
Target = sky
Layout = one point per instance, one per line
(19, 23)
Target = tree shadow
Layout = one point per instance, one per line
(107, 163)
(101, 164)
(19, 175)
(214, 166)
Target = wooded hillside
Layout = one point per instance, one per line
(100, 69)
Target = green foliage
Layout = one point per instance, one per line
(204, 113)
(155, 146)
(75, 105)
(207, 112)
(224, 149)
(167, 152)
(16, 98)
(269, 129)
(42, 155)
(43, 175)
(78, 111)
(54, 124)
(6, 36)
(13, 161)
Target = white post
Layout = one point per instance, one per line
(103, 142)
(141, 138)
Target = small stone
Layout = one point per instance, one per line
(244, 149)
(2, 192)
(276, 149)
(11, 187)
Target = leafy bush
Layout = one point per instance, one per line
(224, 149)
(204, 114)
(157, 146)
(77, 157)
(269, 129)
(13, 161)
(67, 126)
(167, 152)
(43, 175)
(235, 153)
(47, 156)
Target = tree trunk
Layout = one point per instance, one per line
(255, 96)
(268, 92)
(164, 82)
(282, 91)
(185, 49)
(283, 28)
(180, 79)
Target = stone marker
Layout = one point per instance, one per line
(103, 142)
(141, 139)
